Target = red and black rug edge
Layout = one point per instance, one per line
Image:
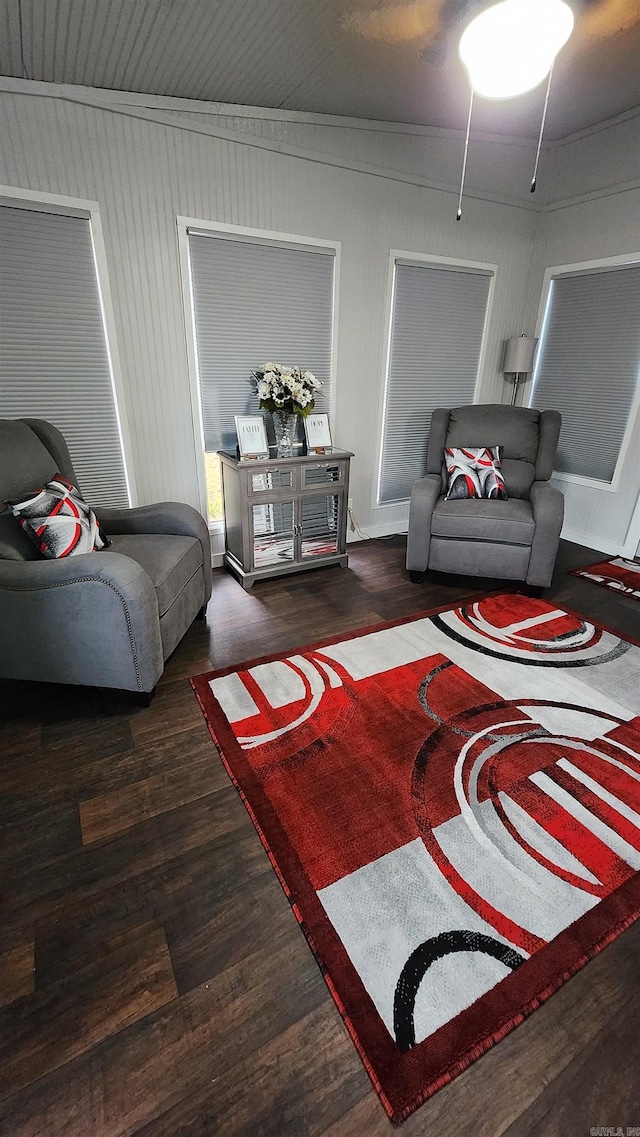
(401, 1093)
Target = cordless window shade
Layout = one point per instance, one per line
(588, 366)
(437, 325)
(256, 303)
(54, 362)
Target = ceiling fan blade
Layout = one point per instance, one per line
(432, 24)
(397, 23)
(601, 19)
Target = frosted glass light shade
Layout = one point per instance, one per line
(509, 48)
(518, 355)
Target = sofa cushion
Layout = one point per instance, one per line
(170, 561)
(516, 430)
(479, 558)
(495, 424)
(519, 476)
(472, 518)
(25, 463)
(14, 543)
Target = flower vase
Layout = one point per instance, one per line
(285, 425)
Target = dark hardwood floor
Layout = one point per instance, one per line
(153, 980)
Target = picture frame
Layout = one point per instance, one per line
(252, 436)
(318, 432)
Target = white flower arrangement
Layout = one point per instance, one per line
(286, 389)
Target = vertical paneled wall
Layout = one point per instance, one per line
(143, 174)
(604, 170)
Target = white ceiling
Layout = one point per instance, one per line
(395, 60)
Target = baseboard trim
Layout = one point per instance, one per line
(388, 529)
(578, 537)
(385, 529)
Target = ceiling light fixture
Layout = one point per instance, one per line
(509, 49)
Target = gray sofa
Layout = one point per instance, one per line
(515, 539)
(108, 618)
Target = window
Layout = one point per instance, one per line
(54, 360)
(437, 327)
(588, 365)
(254, 301)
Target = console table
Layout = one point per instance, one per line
(284, 515)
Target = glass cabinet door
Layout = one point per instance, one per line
(319, 517)
(273, 533)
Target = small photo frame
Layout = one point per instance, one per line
(317, 432)
(252, 436)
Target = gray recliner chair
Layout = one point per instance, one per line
(108, 618)
(515, 539)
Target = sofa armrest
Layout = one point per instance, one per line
(547, 503)
(424, 496)
(89, 619)
(163, 517)
(123, 572)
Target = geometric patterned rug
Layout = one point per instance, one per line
(452, 805)
(618, 574)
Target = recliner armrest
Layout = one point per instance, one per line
(424, 496)
(547, 503)
(123, 572)
(89, 619)
(161, 517)
(170, 517)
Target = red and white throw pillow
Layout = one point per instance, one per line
(58, 520)
(474, 472)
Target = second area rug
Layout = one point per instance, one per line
(617, 574)
(452, 804)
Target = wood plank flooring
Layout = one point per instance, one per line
(153, 981)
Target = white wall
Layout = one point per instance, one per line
(372, 188)
(600, 160)
(498, 165)
(602, 220)
(143, 173)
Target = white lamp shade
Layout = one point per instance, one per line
(518, 355)
(510, 47)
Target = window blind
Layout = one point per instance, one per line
(54, 362)
(588, 366)
(256, 303)
(437, 325)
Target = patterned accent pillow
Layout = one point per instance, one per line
(474, 472)
(59, 522)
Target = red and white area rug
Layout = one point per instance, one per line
(618, 574)
(452, 804)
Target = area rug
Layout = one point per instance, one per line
(617, 574)
(452, 805)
